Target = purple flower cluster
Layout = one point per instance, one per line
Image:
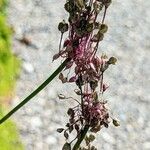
(85, 34)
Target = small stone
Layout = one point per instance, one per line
(52, 93)
(36, 122)
(51, 140)
(28, 68)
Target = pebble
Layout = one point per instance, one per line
(50, 140)
(35, 122)
(27, 67)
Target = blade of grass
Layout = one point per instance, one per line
(36, 91)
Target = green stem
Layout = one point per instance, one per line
(35, 92)
(82, 136)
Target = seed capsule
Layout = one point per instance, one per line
(63, 27)
(68, 7)
(93, 84)
(107, 3)
(112, 60)
(103, 28)
(80, 3)
(89, 27)
(116, 123)
(60, 130)
(61, 96)
(97, 6)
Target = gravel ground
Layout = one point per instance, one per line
(128, 39)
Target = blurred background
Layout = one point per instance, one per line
(29, 39)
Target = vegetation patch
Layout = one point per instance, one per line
(9, 65)
(9, 138)
(9, 68)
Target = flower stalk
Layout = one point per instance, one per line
(81, 138)
(81, 46)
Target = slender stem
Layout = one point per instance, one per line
(74, 100)
(104, 15)
(35, 92)
(60, 41)
(101, 83)
(82, 136)
(80, 87)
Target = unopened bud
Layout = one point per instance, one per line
(107, 3)
(63, 27)
(97, 6)
(116, 123)
(103, 28)
(112, 60)
(80, 3)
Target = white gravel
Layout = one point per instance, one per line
(128, 39)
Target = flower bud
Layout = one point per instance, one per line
(88, 9)
(68, 7)
(97, 6)
(95, 96)
(61, 76)
(70, 112)
(56, 56)
(61, 96)
(78, 92)
(63, 27)
(93, 84)
(66, 42)
(116, 123)
(60, 130)
(91, 137)
(80, 3)
(93, 148)
(112, 60)
(89, 27)
(107, 3)
(100, 36)
(105, 87)
(72, 79)
(103, 28)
